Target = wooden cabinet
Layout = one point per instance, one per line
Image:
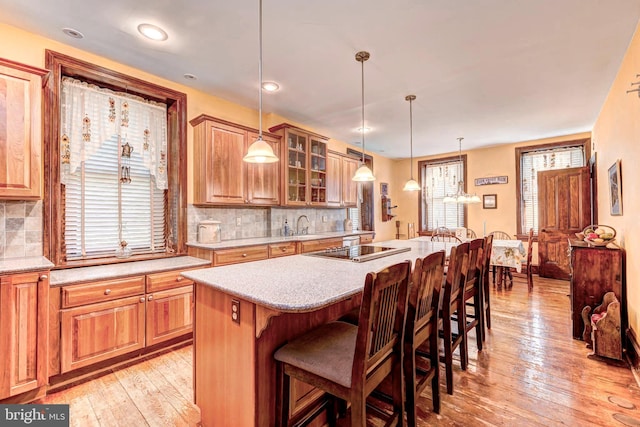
(366, 238)
(169, 314)
(220, 175)
(342, 191)
(318, 245)
(24, 299)
(242, 254)
(282, 249)
(595, 271)
(20, 130)
(304, 166)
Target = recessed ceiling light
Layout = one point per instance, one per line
(366, 129)
(270, 86)
(153, 32)
(190, 76)
(73, 33)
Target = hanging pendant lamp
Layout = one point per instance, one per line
(411, 185)
(461, 197)
(363, 173)
(260, 151)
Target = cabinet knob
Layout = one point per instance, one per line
(107, 291)
(44, 277)
(244, 255)
(179, 278)
(283, 249)
(150, 298)
(141, 299)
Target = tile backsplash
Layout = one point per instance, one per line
(20, 229)
(263, 222)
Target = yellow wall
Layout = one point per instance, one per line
(28, 48)
(616, 135)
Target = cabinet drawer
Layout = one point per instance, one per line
(318, 245)
(237, 255)
(167, 280)
(106, 290)
(366, 238)
(282, 249)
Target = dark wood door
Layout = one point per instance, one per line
(564, 208)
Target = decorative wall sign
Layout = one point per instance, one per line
(492, 180)
(615, 189)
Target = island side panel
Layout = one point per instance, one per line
(279, 330)
(224, 359)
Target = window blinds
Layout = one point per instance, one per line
(530, 164)
(438, 180)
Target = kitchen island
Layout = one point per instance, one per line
(244, 312)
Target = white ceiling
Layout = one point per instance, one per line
(492, 71)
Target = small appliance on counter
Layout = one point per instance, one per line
(209, 231)
(348, 225)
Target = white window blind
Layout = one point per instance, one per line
(438, 180)
(100, 209)
(530, 164)
(354, 213)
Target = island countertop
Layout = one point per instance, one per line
(303, 283)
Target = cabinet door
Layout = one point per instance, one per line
(296, 172)
(317, 181)
(20, 130)
(334, 179)
(349, 186)
(24, 299)
(97, 332)
(224, 175)
(263, 180)
(169, 314)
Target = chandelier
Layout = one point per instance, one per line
(461, 196)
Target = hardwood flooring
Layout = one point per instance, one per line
(529, 373)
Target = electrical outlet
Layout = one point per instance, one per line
(324, 218)
(239, 221)
(235, 311)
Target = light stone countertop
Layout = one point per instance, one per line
(24, 264)
(301, 283)
(237, 243)
(112, 271)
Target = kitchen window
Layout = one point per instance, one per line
(533, 159)
(116, 147)
(438, 178)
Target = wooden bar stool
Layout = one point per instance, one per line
(486, 288)
(471, 294)
(349, 361)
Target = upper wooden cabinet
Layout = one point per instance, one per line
(304, 166)
(20, 130)
(342, 191)
(220, 175)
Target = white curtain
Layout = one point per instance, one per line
(91, 115)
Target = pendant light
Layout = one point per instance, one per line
(411, 185)
(461, 197)
(260, 151)
(363, 173)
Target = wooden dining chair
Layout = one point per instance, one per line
(443, 234)
(471, 234)
(504, 272)
(451, 304)
(529, 267)
(486, 289)
(349, 361)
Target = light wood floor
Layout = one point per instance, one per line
(530, 373)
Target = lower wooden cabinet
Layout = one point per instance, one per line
(366, 238)
(23, 332)
(169, 314)
(318, 245)
(96, 332)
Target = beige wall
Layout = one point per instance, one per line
(616, 135)
(28, 48)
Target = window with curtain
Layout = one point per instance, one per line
(533, 161)
(113, 165)
(439, 178)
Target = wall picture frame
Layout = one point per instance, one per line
(615, 189)
(489, 201)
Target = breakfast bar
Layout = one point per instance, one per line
(244, 312)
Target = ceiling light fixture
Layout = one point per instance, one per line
(363, 173)
(411, 185)
(153, 32)
(73, 33)
(461, 196)
(260, 151)
(270, 86)
(365, 129)
(190, 76)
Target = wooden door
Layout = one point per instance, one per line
(263, 180)
(334, 179)
(24, 299)
(225, 170)
(349, 187)
(564, 208)
(97, 332)
(169, 314)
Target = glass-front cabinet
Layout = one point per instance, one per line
(305, 169)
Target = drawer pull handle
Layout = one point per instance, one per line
(44, 277)
(141, 299)
(107, 292)
(283, 249)
(150, 298)
(179, 278)
(244, 255)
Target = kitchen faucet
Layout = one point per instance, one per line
(305, 229)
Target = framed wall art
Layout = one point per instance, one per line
(490, 201)
(615, 189)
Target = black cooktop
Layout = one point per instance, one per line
(358, 253)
